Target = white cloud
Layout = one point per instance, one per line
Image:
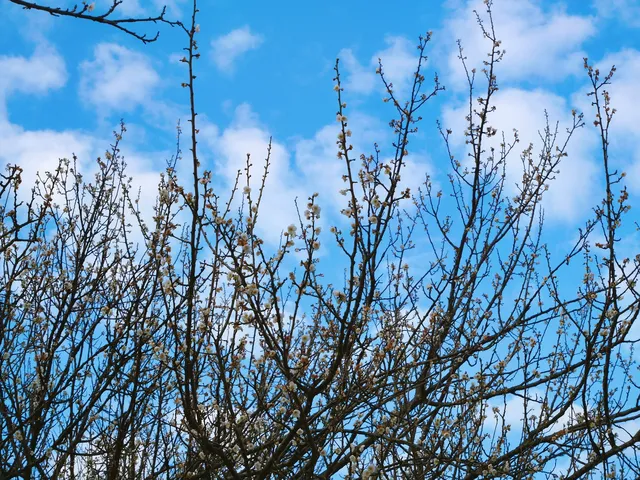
(513, 409)
(227, 48)
(137, 8)
(571, 194)
(45, 70)
(398, 63)
(35, 150)
(245, 135)
(176, 58)
(40, 150)
(625, 97)
(117, 78)
(128, 7)
(627, 11)
(316, 160)
(358, 79)
(318, 165)
(305, 166)
(539, 44)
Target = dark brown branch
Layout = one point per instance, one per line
(85, 13)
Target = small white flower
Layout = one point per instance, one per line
(197, 29)
(164, 195)
(91, 6)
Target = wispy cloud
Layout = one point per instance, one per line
(625, 11)
(297, 168)
(398, 62)
(117, 78)
(574, 186)
(132, 8)
(359, 79)
(129, 7)
(625, 98)
(43, 71)
(539, 44)
(227, 48)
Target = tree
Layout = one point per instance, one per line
(86, 12)
(197, 354)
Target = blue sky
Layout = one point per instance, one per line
(267, 69)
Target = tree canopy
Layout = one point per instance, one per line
(186, 346)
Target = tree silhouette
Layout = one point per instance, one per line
(87, 12)
(201, 353)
